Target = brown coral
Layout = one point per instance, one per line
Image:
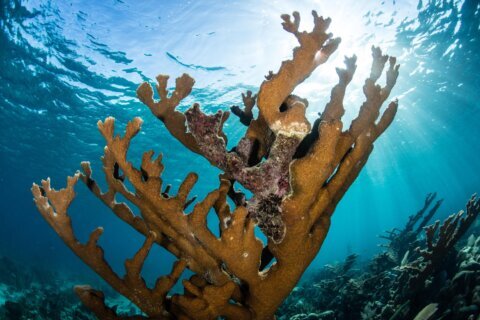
(296, 172)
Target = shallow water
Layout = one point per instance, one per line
(64, 65)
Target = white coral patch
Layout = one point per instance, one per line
(292, 129)
(225, 221)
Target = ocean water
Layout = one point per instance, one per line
(64, 65)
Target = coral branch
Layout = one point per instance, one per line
(315, 48)
(53, 206)
(405, 240)
(339, 156)
(208, 302)
(164, 109)
(245, 115)
(95, 301)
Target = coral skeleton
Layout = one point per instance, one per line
(296, 172)
(402, 242)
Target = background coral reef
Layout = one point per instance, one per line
(431, 276)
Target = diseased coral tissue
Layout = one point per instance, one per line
(235, 276)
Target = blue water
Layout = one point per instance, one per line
(66, 64)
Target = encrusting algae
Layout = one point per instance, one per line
(297, 173)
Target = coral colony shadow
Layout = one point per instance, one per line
(297, 173)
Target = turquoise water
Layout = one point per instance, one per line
(66, 64)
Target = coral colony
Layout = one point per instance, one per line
(297, 173)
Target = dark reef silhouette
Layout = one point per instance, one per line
(430, 275)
